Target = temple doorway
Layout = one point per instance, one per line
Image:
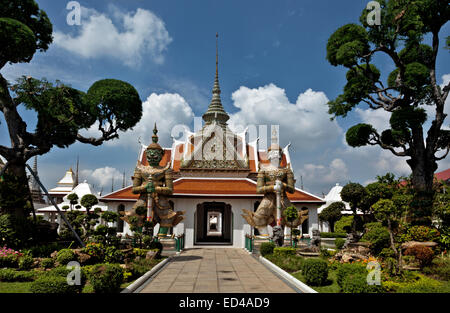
(213, 224)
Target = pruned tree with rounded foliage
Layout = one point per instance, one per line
(406, 90)
(354, 194)
(62, 112)
(332, 213)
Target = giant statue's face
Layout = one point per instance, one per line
(274, 157)
(154, 156)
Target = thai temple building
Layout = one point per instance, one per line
(64, 187)
(214, 180)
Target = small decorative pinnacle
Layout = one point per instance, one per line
(155, 132)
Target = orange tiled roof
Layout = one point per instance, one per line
(202, 187)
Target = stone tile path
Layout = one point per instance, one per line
(216, 270)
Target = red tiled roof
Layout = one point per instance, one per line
(209, 187)
(444, 175)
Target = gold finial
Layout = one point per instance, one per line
(155, 136)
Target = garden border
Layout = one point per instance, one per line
(297, 283)
(143, 279)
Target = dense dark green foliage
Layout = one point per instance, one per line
(106, 278)
(266, 248)
(332, 213)
(315, 271)
(11, 275)
(64, 256)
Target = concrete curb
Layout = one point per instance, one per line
(141, 280)
(300, 285)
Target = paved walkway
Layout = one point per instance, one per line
(214, 270)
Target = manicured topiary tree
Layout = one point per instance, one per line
(332, 213)
(354, 193)
(402, 34)
(61, 111)
(291, 214)
(73, 199)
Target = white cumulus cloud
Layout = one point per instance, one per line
(135, 36)
(103, 177)
(170, 111)
(304, 123)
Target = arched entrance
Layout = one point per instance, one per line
(213, 223)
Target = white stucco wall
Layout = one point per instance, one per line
(240, 226)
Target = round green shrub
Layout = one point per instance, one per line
(106, 278)
(339, 242)
(421, 233)
(64, 256)
(156, 245)
(26, 262)
(357, 283)
(315, 271)
(266, 248)
(345, 270)
(47, 263)
(378, 237)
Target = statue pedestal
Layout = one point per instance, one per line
(169, 245)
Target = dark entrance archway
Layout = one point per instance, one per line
(213, 224)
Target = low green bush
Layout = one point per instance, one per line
(137, 268)
(284, 251)
(421, 233)
(423, 285)
(315, 271)
(47, 263)
(339, 242)
(345, 270)
(113, 255)
(64, 256)
(266, 248)
(106, 278)
(26, 262)
(333, 235)
(96, 251)
(156, 245)
(10, 261)
(11, 275)
(440, 268)
(378, 237)
(357, 283)
(53, 284)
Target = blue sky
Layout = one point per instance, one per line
(269, 50)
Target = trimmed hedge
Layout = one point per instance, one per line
(47, 263)
(106, 278)
(333, 235)
(315, 271)
(266, 248)
(284, 251)
(11, 275)
(55, 281)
